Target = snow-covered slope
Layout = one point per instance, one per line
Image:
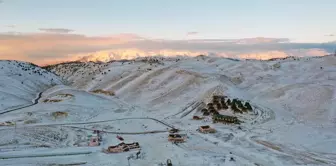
(292, 121)
(304, 87)
(20, 82)
(120, 54)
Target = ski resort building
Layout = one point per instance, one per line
(176, 138)
(206, 129)
(225, 119)
(122, 147)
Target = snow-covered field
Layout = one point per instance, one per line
(292, 122)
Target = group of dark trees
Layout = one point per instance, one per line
(71, 68)
(152, 60)
(28, 67)
(220, 102)
(237, 106)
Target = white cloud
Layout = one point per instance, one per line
(10, 26)
(192, 33)
(56, 30)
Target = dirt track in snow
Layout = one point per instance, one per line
(15, 109)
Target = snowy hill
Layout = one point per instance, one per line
(20, 82)
(291, 121)
(287, 83)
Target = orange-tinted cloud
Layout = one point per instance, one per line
(46, 47)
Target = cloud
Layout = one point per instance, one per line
(56, 30)
(43, 48)
(223, 45)
(10, 26)
(330, 35)
(191, 33)
(257, 40)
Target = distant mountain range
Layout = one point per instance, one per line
(118, 54)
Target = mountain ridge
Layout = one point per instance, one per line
(129, 54)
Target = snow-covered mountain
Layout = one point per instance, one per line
(119, 54)
(20, 82)
(292, 121)
(131, 80)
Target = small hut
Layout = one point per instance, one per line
(206, 129)
(176, 138)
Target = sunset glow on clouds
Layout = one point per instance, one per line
(44, 32)
(45, 48)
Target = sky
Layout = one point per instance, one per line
(299, 21)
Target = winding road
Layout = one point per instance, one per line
(15, 109)
(124, 133)
(101, 121)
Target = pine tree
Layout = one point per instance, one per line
(234, 101)
(206, 113)
(229, 102)
(222, 100)
(219, 106)
(234, 107)
(215, 113)
(248, 106)
(204, 110)
(209, 105)
(224, 106)
(239, 104)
